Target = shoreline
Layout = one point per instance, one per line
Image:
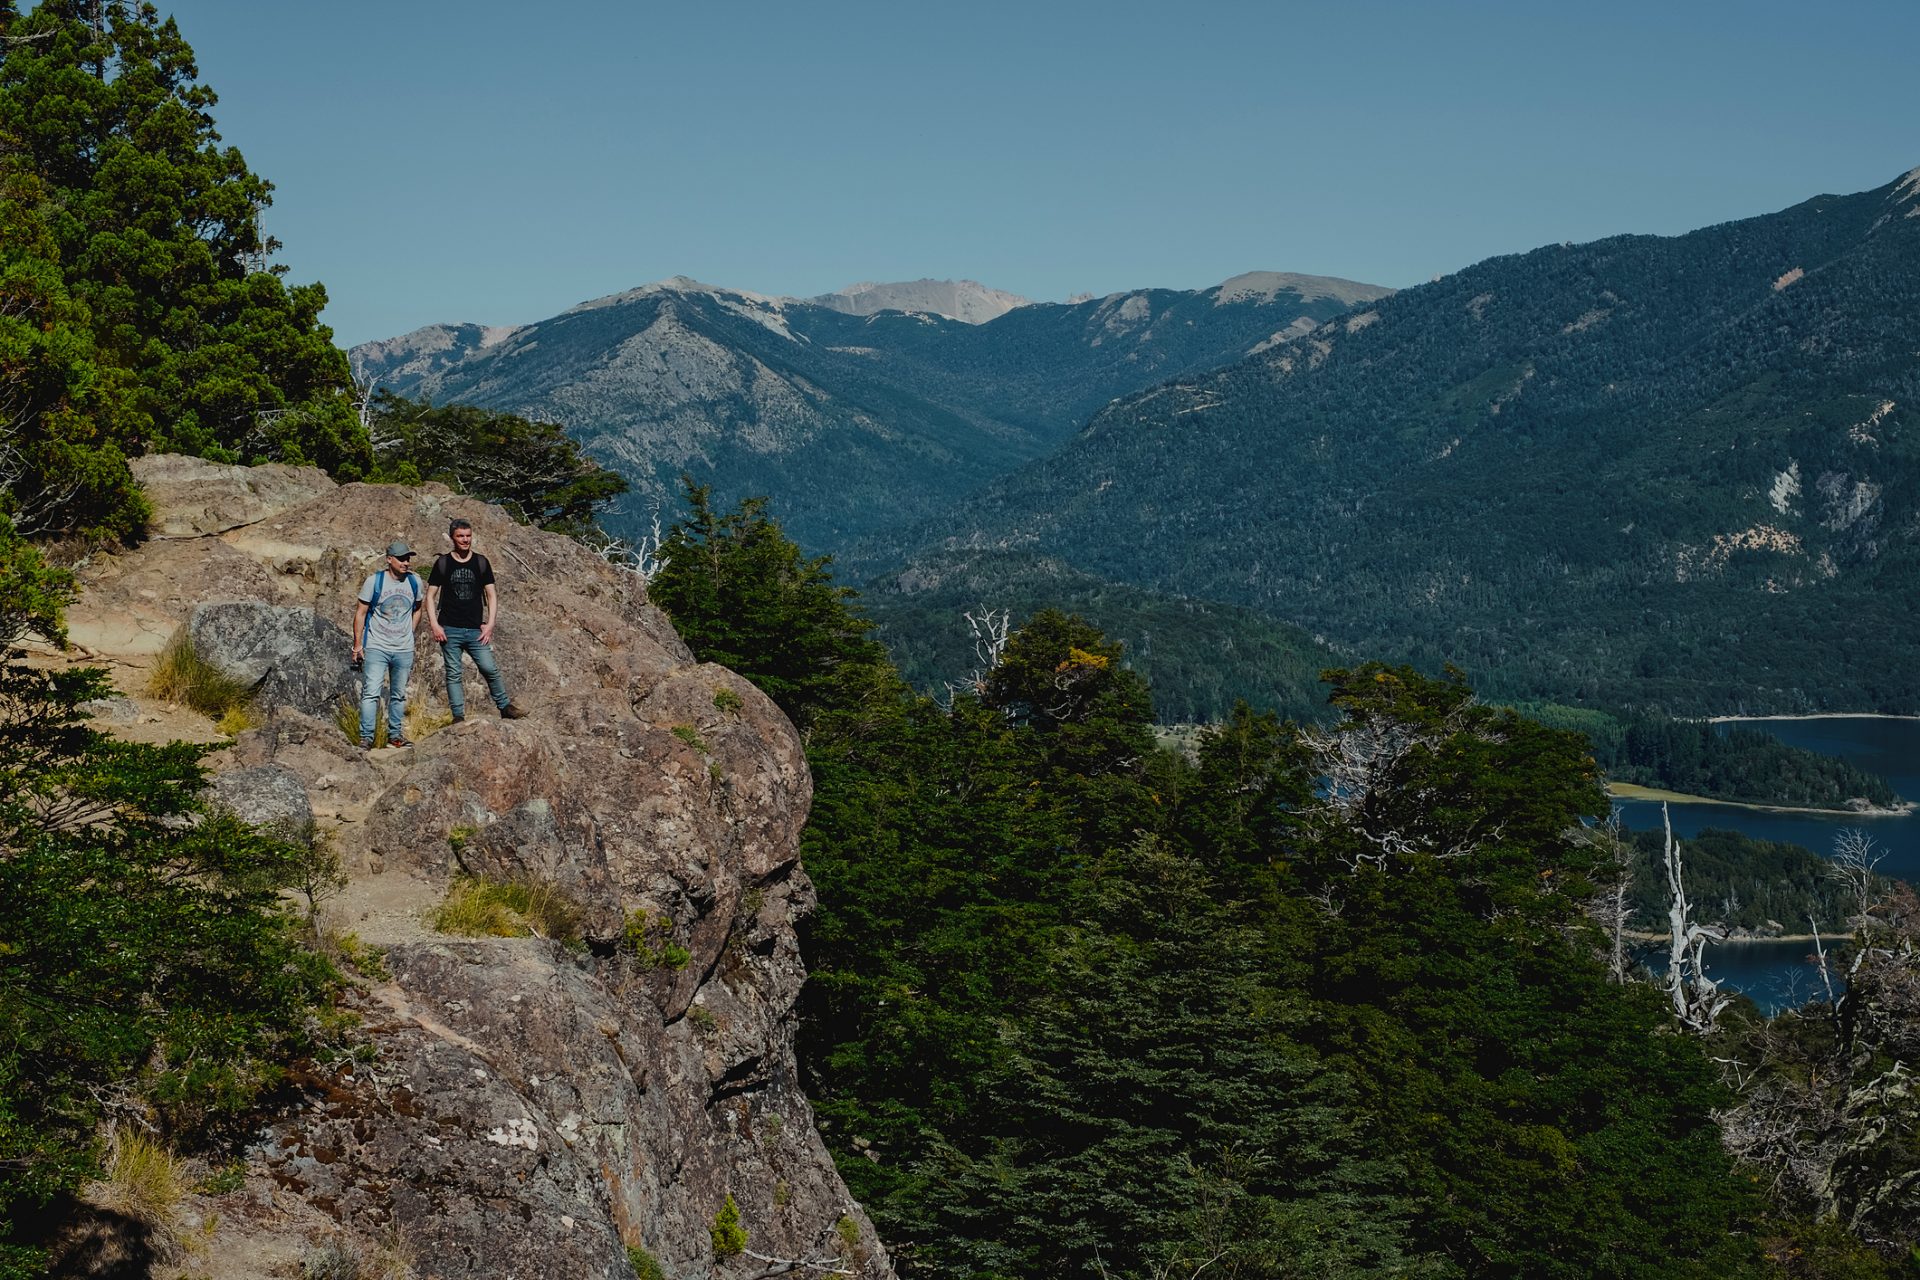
(1809, 938)
(1634, 791)
(1816, 715)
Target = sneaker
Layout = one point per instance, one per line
(513, 711)
(398, 742)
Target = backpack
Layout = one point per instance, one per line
(379, 584)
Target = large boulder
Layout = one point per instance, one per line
(270, 796)
(289, 655)
(192, 497)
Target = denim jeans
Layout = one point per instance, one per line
(467, 640)
(391, 669)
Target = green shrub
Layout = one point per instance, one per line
(183, 676)
(645, 1265)
(729, 1237)
(691, 736)
(649, 940)
(479, 907)
(728, 701)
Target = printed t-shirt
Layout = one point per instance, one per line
(463, 589)
(390, 621)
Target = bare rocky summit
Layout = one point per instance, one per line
(520, 1108)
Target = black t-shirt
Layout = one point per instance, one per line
(463, 589)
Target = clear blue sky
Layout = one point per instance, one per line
(498, 162)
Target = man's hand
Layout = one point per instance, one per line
(356, 653)
(439, 633)
(486, 633)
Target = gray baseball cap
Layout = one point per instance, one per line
(399, 549)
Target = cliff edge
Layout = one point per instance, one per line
(518, 1107)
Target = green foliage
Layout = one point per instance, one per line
(133, 244)
(145, 950)
(1200, 657)
(181, 675)
(33, 595)
(1740, 882)
(742, 595)
(533, 470)
(729, 1237)
(643, 1264)
(1314, 1002)
(727, 701)
(691, 736)
(649, 940)
(480, 907)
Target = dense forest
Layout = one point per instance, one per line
(1739, 882)
(1200, 657)
(1714, 432)
(1313, 1001)
(1722, 761)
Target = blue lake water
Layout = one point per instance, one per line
(1777, 974)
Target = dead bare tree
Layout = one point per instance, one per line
(1696, 998)
(1613, 907)
(989, 629)
(1854, 865)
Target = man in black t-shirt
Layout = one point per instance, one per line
(462, 608)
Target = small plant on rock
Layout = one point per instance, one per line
(729, 1237)
(645, 1265)
(728, 701)
(649, 940)
(691, 736)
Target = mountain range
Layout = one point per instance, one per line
(1675, 471)
(848, 418)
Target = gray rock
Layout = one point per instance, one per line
(115, 710)
(270, 796)
(289, 654)
(192, 497)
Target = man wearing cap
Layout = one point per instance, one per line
(383, 624)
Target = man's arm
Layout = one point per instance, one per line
(359, 626)
(433, 613)
(492, 615)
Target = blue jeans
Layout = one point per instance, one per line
(467, 640)
(391, 669)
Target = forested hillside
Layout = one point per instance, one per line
(1676, 471)
(1200, 657)
(1314, 1003)
(847, 422)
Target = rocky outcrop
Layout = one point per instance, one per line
(288, 655)
(522, 1107)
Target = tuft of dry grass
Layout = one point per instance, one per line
(145, 1182)
(483, 908)
(182, 676)
(421, 723)
(344, 1258)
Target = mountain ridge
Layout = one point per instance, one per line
(1643, 468)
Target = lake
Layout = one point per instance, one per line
(1776, 974)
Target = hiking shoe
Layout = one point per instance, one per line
(513, 711)
(398, 742)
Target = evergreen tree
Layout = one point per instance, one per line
(147, 962)
(533, 469)
(127, 219)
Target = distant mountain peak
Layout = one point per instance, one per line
(1908, 188)
(1263, 286)
(964, 300)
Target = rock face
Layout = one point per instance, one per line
(289, 655)
(524, 1109)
